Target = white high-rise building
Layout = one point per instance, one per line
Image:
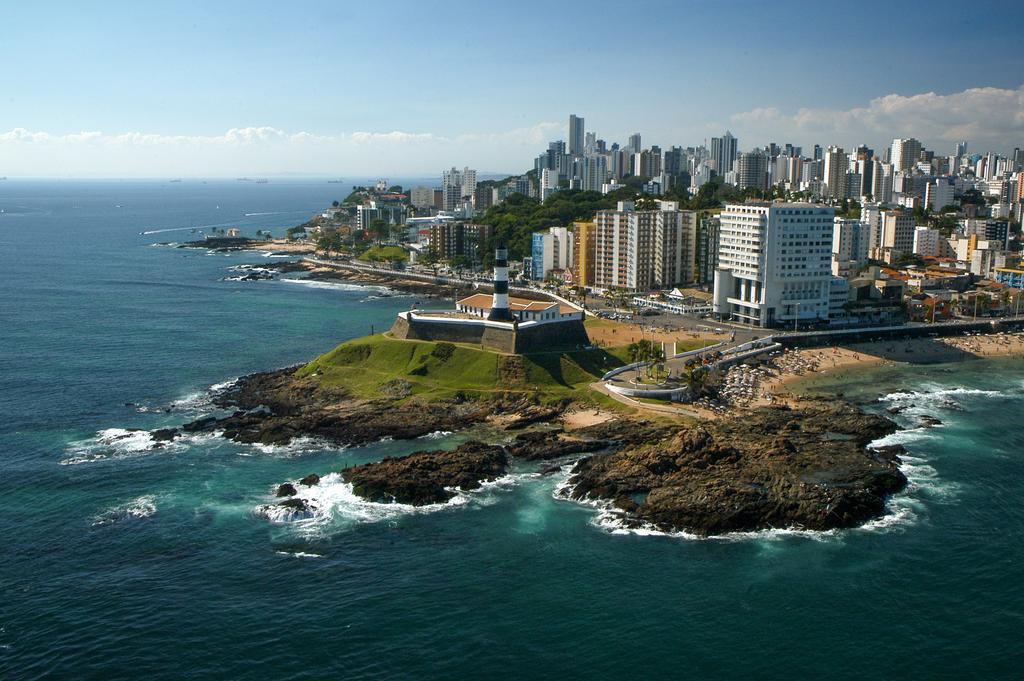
(593, 172)
(926, 242)
(422, 197)
(897, 237)
(451, 189)
(774, 263)
(939, 194)
(881, 182)
(905, 153)
(836, 165)
(468, 182)
(850, 245)
(752, 170)
(723, 153)
(644, 250)
(548, 182)
(871, 215)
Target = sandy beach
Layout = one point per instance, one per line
(801, 364)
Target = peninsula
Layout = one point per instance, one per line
(806, 466)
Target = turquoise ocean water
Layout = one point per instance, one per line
(120, 560)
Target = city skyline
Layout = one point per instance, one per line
(159, 91)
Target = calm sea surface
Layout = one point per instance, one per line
(121, 560)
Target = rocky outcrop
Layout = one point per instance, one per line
(542, 445)
(774, 468)
(427, 477)
(276, 407)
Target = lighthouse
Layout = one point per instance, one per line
(500, 311)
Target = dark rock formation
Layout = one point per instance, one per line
(774, 468)
(427, 477)
(275, 407)
(310, 480)
(164, 434)
(286, 490)
(552, 444)
(289, 510)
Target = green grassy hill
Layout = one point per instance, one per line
(379, 366)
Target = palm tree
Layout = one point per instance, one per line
(696, 379)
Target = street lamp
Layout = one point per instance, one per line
(796, 317)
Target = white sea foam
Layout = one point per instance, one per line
(123, 443)
(335, 285)
(334, 499)
(936, 397)
(142, 507)
(110, 443)
(436, 435)
(299, 554)
(170, 229)
(201, 400)
(297, 447)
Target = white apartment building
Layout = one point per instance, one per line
(548, 182)
(927, 242)
(836, 165)
(905, 153)
(897, 236)
(851, 243)
(939, 194)
(871, 215)
(455, 185)
(646, 249)
(774, 263)
(422, 197)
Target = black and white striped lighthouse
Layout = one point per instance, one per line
(500, 311)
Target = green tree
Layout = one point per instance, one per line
(380, 229)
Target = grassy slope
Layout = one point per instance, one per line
(440, 370)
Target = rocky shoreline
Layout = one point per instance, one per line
(314, 272)
(807, 467)
(779, 467)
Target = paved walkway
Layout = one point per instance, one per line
(663, 408)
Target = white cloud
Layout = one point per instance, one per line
(395, 136)
(988, 117)
(266, 149)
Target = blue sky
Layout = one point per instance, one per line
(153, 89)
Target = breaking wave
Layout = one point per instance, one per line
(298, 447)
(142, 507)
(333, 499)
(126, 443)
(337, 286)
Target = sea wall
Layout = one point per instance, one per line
(815, 339)
(568, 335)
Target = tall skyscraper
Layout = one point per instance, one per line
(634, 143)
(641, 250)
(451, 188)
(752, 170)
(468, 181)
(723, 152)
(905, 153)
(836, 165)
(577, 135)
